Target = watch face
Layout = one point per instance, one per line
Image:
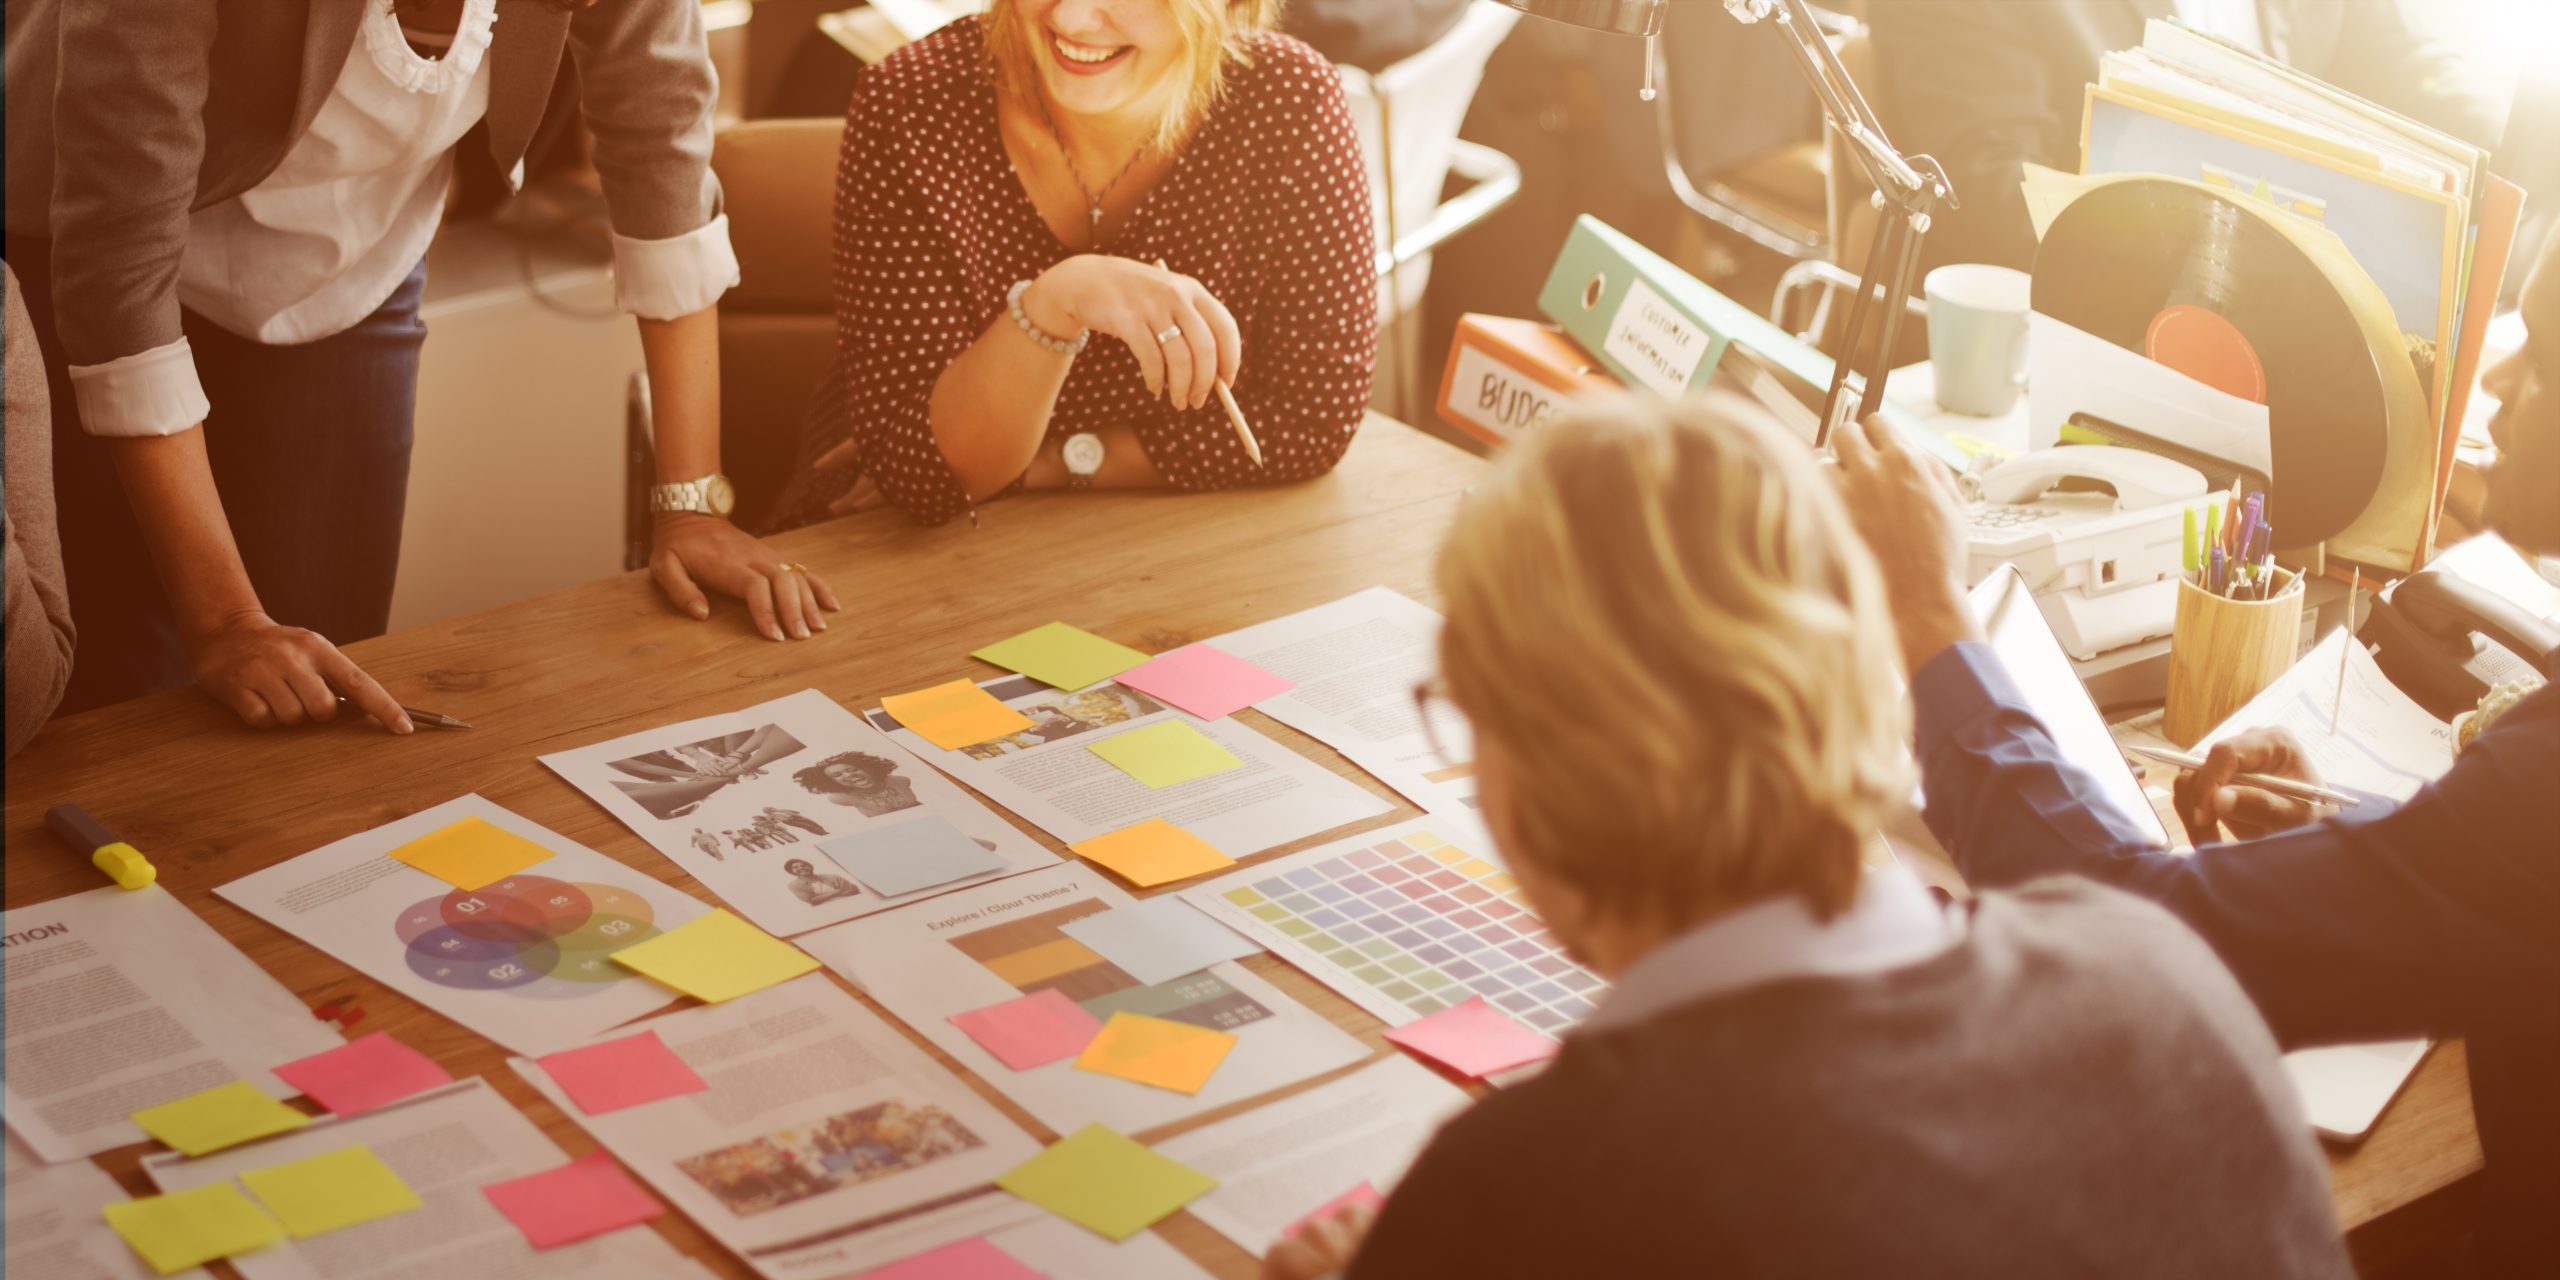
(1083, 454)
(722, 498)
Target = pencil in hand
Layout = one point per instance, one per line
(1235, 415)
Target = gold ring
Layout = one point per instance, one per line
(794, 567)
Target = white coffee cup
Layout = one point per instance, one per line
(1978, 336)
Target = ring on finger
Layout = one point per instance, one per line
(1168, 334)
(794, 566)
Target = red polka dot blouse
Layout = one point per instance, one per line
(1267, 206)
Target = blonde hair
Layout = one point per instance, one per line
(1213, 37)
(1661, 614)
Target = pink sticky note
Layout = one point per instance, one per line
(364, 1073)
(1363, 1194)
(1032, 1031)
(1206, 682)
(586, 1197)
(621, 1073)
(1474, 1039)
(967, 1260)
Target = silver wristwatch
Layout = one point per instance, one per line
(1083, 456)
(710, 495)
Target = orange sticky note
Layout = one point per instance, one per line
(954, 715)
(471, 854)
(1157, 1051)
(1154, 852)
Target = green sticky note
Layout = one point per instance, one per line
(190, 1228)
(1106, 1183)
(1061, 655)
(716, 956)
(1166, 753)
(222, 1116)
(330, 1192)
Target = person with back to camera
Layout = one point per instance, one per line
(1007, 188)
(1678, 666)
(2436, 917)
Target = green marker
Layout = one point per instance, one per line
(2187, 545)
(123, 863)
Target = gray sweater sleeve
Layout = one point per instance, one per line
(38, 610)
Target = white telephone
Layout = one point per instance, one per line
(2103, 563)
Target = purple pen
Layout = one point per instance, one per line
(2249, 527)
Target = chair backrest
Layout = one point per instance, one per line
(1410, 112)
(777, 328)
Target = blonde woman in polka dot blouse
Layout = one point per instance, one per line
(1006, 189)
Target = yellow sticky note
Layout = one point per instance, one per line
(717, 957)
(223, 1116)
(1106, 1183)
(1067, 657)
(954, 715)
(1166, 753)
(325, 1193)
(1157, 1051)
(1154, 852)
(190, 1228)
(471, 854)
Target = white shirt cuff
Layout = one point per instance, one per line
(148, 393)
(664, 279)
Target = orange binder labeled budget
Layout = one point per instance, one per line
(1506, 375)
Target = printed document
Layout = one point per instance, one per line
(2385, 745)
(827, 1142)
(1046, 774)
(1356, 663)
(1280, 1162)
(1002, 941)
(446, 1145)
(122, 999)
(53, 1226)
(524, 961)
(750, 802)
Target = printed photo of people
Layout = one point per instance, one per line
(1070, 715)
(860, 780)
(770, 829)
(839, 1151)
(675, 781)
(811, 887)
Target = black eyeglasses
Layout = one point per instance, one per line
(1442, 721)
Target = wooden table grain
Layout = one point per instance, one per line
(210, 801)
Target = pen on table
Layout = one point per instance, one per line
(431, 719)
(1235, 415)
(2189, 762)
(122, 862)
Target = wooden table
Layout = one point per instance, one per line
(211, 801)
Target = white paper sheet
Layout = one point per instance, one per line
(54, 1228)
(1047, 775)
(1160, 939)
(2384, 745)
(826, 1143)
(737, 799)
(1356, 662)
(1407, 921)
(446, 1144)
(1278, 1163)
(994, 942)
(1061, 1250)
(522, 961)
(119, 1000)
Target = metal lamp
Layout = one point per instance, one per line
(1908, 190)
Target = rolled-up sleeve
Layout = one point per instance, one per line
(148, 393)
(647, 89)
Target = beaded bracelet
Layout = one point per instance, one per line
(1063, 346)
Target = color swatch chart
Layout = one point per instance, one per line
(1408, 922)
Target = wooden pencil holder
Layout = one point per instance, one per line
(2222, 652)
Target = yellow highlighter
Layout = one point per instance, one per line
(123, 863)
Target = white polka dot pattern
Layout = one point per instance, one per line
(1268, 206)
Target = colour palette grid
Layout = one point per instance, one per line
(1407, 926)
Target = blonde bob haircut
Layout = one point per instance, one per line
(1660, 614)
(1213, 37)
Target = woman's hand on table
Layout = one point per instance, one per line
(270, 675)
(2208, 799)
(1906, 507)
(1133, 301)
(1323, 1247)
(693, 551)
